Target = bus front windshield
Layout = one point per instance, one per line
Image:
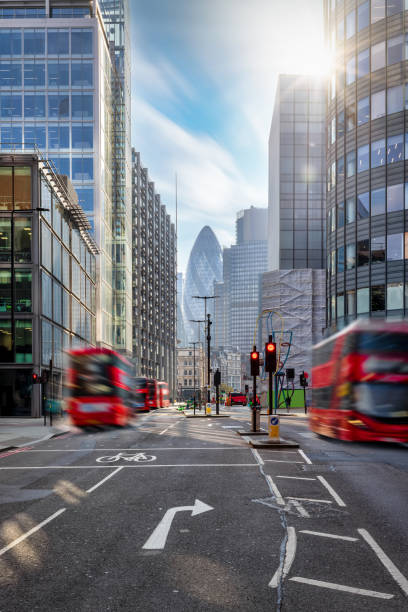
(91, 375)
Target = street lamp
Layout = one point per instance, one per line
(194, 366)
(208, 324)
(198, 341)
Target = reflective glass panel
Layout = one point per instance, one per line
(10, 42)
(395, 296)
(22, 239)
(10, 74)
(395, 247)
(81, 42)
(58, 42)
(363, 110)
(82, 106)
(23, 290)
(378, 105)
(377, 298)
(363, 158)
(363, 300)
(377, 10)
(378, 56)
(6, 342)
(35, 135)
(34, 105)
(6, 188)
(5, 290)
(378, 201)
(378, 153)
(363, 63)
(350, 256)
(22, 188)
(378, 249)
(351, 71)
(34, 42)
(351, 164)
(58, 106)
(363, 205)
(58, 74)
(82, 74)
(10, 106)
(395, 197)
(395, 99)
(5, 239)
(350, 210)
(395, 149)
(363, 16)
(351, 24)
(34, 74)
(395, 50)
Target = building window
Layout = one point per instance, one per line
(378, 56)
(363, 16)
(350, 24)
(351, 164)
(340, 259)
(5, 290)
(23, 302)
(34, 42)
(377, 298)
(395, 149)
(340, 214)
(350, 256)
(22, 239)
(363, 253)
(377, 10)
(394, 7)
(23, 341)
(395, 247)
(10, 106)
(58, 106)
(378, 153)
(395, 99)
(81, 41)
(6, 342)
(10, 42)
(363, 63)
(395, 50)
(350, 210)
(378, 105)
(351, 70)
(378, 201)
(363, 111)
(363, 300)
(351, 117)
(395, 296)
(58, 42)
(395, 197)
(378, 249)
(58, 74)
(22, 188)
(363, 205)
(351, 302)
(363, 158)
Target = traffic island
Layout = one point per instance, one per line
(273, 444)
(261, 432)
(206, 416)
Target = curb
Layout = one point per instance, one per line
(47, 437)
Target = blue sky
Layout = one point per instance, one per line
(203, 80)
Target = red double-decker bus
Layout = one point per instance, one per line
(360, 383)
(99, 388)
(164, 397)
(147, 394)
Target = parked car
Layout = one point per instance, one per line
(236, 399)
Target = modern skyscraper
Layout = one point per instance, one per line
(244, 264)
(58, 81)
(203, 268)
(367, 196)
(297, 174)
(154, 281)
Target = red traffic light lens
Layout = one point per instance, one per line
(254, 355)
(306, 375)
(270, 347)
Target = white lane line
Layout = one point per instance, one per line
(305, 457)
(332, 492)
(102, 448)
(329, 535)
(98, 484)
(286, 563)
(296, 477)
(257, 456)
(300, 508)
(274, 490)
(282, 461)
(31, 531)
(139, 465)
(320, 501)
(385, 560)
(341, 587)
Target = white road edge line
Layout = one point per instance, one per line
(320, 501)
(341, 587)
(98, 484)
(305, 457)
(274, 489)
(329, 535)
(257, 456)
(332, 492)
(285, 566)
(385, 560)
(296, 477)
(31, 531)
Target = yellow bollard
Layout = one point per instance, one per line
(273, 426)
(208, 409)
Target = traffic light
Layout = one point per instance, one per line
(217, 378)
(270, 357)
(290, 373)
(303, 379)
(254, 363)
(246, 389)
(35, 378)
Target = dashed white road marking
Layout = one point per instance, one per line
(286, 563)
(296, 477)
(281, 461)
(274, 489)
(98, 484)
(341, 587)
(329, 535)
(167, 428)
(300, 508)
(31, 531)
(385, 560)
(332, 492)
(305, 457)
(320, 501)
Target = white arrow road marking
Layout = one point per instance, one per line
(157, 540)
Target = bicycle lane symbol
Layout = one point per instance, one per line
(138, 458)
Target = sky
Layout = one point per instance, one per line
(204, 74)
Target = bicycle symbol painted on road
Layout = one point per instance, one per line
(138, 458)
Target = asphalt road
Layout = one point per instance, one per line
(180, 514)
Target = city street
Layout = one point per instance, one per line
(181, 514)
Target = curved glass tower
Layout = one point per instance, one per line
(204, 267)
(367, 196)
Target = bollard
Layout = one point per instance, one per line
(273, 426)
(208, 409)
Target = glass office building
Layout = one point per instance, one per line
(296, 201)
(367, 194)
(56, 93)
(47, 280)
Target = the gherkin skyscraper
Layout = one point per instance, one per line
(204, 267)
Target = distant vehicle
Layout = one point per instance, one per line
(236, 399)
(360, 383)
(147, 396)
(98, 387)
(164, 397)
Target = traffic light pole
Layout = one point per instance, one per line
(270, 378)
(208, 358)
(254, 404)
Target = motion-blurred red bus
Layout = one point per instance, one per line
(147, 394)
(360, 383)
(164, 397)
(99, 387)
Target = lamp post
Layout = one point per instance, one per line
(194, 374)
(198, 341)
(208, 323)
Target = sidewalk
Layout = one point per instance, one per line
(16, 432)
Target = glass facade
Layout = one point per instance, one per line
(375, 145)
(297, 173)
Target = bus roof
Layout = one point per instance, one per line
(97, 350)
(368, 325)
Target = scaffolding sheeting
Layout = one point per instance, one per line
(299, 296)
